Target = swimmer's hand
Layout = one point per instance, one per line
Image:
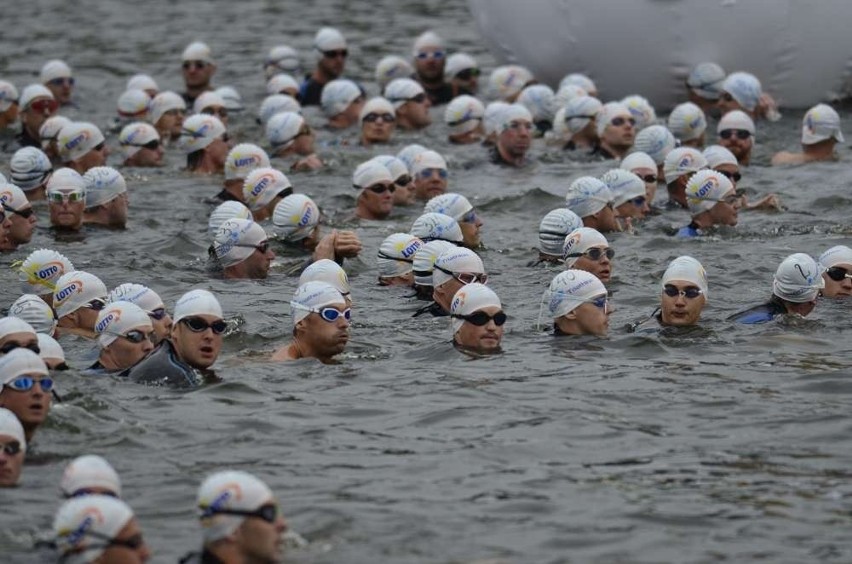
(767, 107)
(346, 244)
(311, 162)
(770, 202)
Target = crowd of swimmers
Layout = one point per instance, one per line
(141, 339)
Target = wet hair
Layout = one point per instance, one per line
(193, 160)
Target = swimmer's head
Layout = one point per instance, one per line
(36, 312)
(587, 196)
(553, 229)
(687, 122)
(90, 474)
(656, 141)
(243, 159)
(820, 123)
(295, 217)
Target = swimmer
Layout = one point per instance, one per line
(289, 134)
(643, 166)
(198, 68)
(296, 219)
(51, 353)
(184, 359)
(17, 333)
(795, 289)
(8, 104)
(391, 67)
(26, 390)
(459, 208)
(463, 116)
(29, 170)
(77, 299)
(141, 146)
(233, 100)
(580, 80)
(587, 249)
(132, 105)
(437, 227)
(404, 194)
(477, 319)
(167, 112)
(683, 296)
(491, 121)
(66, 197)
(430, 173)
(514, 137)
(736, 133)
(430, 57)
(679, 166)
(56, 76)
(328, 271)
(712, 201)
(36, 312)
(321, 323)
(743, 91)
(641, 110)
(5, 227)
(41, 270)
(580, 119)
(341, 102)
(241, 250)
(453, 269)
(411, 103)
(462, 73)
(539, 100)
(239, 162)
(616, 128)
(593, 201)
(723, 161)
(211, 104)
(281, 58)
(423, 266)
(262, 190)
(143, 82)
(150, 302)
(506, 82)
(20, 215)
(89, 474)
(629, 195)
(13, 449)
(331, 51)
(278, 103)
(36, 104)
(837, 262)
(657, 142)
(395, 260)
(704, 85)
(375, 188)
(378, 121)
(578, 304)
(106, 198)
(552, 231)
(688, 124)
(820, 134)
(82, 146)
(113, 538)
(282, 83)
(204, 139)
(125, 336)
(242, 528)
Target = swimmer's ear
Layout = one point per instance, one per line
(300, 326)
(572, 315)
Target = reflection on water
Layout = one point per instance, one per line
(723, 443)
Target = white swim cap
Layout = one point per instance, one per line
(142, 82)
(506, 82)
(233, 102)
(54, 69)
(87, 472)
(609, 112)
(281, 82)
(199, 131)
(686, 269)
(456, 260)
(117, 318)
(820, 123)
(21, 362)
(377, 105)
(207, 100)
(235, 241)
(687, 122)
(553, 229)
(74, 290)
(396, 255)
(50, 129)
(641, 109)
(66, 179)
(655, 140)
(624, 185)
(840, 254)
(560, 130)
(580, 111)
(243, 159)
(369, 173)
(295, 217)
(401, 90)
(231, 209)
(164, 102)
(432, 226)
(134, 136)
(283, 129)
(744, 88)
(36, 312)
(427, 159)
(8, 95)
(581, 80)
(492, 118)
(29, 168)
(706, 80)
(637, 159)
(539, 100)
(397, 168)
(143, 296)
(587, 196)
(275, 104)
(14, 324)
(328, 271)
(427, 39)
(197, 51)
(424, 260)
(705, 189)
(262, 185)
(82, 524)
(312, 296)
(50, 349)
(31, 93)
(567, 93)
(736, 119)
(798, 279)
(464, 113)
(337, 95)
(456, 63)
(76, 139)
(408, 153)
(13, 197)
(103, 184)
(683, 160)
(390, 68)
(41, 269)
(717, 155)
(281, 58)
(469, 299)
(579, 241)
(569, 290)
(513, 113)
(454, 205)
(11, 426)
(133, 104)
(197, 302)
(329, 39)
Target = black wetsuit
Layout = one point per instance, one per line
(24, 140)
(310, 92)
(434, 309)
(599, 151)
(204, 557)
(441, 94)
(163, 367)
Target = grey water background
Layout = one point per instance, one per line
(723, 443)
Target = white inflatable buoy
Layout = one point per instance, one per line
(801, 51)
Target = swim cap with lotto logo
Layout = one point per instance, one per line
(36, 312)
(117, 318)
(437, 226)
(313, 295)
(587, 196)
(396, 255)
(74, 290)
(470, 299)
(235, 241)
(82, 524)
(135, 136)
(579, 241)
(641, 110)
(569, 290)
(225, 211)
(328, 271)
(243, 159)
(29, 168)
(424, 260)
(705, 189)
(681, 161)
(553, 229)
(798, 279)
(686, 269)
(87, 472)
(262, 185)
(76, 139)
(229, 490)
(295, 217)
(13, 198)
(41, 269)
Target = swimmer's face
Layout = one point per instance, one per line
(730, 171)
(122, 554)
(727, 103)
(430, 182)
(377, 205)
(198, 349)
(37, 112)
(22, 340)
(333, 62)
(353, 110)
(257, 264)
(649, 177)
(725, 212)
(21, 228)
(416, 111)
(118, 207)
(620, 132)
(467, 79)
(803, 309)
(516, 137)
(147, 157)
(162, 327)
(587, 318)
(378, 130)
(741, 148)
(261, 541)
(482, 338)
(62, 89)
(842, 288)
(169, 125)
(304, 143)
(10, 115)
(606, 220)
(471, 224)
(602, 268)
(67, 215)
(406, 280)
(95, 157)
(218, 151)
(197, 74)
(31, 407)
(124, 353)
(429, 62)
(327, 338)
(10, 464)
(404, 194)
(636, 208)
(680, 310)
